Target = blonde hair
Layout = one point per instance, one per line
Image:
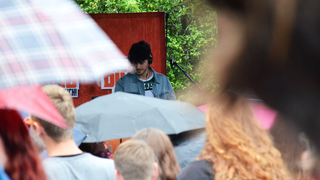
(237, 145)
(134, 160)
(163, 148)
(62, 100)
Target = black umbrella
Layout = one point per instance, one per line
(188, 145)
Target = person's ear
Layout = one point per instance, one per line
(155, 171)
(118, 175)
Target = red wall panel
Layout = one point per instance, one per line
(127, 28)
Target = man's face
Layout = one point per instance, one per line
(141, 68)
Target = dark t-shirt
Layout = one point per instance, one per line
(148, 86)
(197, 170)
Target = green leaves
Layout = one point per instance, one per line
(192, 30)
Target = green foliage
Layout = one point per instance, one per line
(192, 32)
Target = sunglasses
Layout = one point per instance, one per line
(29, 122)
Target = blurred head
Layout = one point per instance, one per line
(277, 56)
(135, 160)
(22, 160)
(237, 144)
(163, 148)
(62, 100)
(262, 43)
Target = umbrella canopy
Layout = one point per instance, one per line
(121, 115)
(49, 41)
(52, 40)
(33, 100)
(264, 114)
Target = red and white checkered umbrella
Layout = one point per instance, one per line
(50, 40)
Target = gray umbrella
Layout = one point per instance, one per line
(121, 115)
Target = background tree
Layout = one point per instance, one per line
(191, 33)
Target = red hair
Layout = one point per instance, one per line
(23, 159)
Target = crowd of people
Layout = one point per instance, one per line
(237, 147)
(257, 53)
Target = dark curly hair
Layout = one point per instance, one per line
(139, 52)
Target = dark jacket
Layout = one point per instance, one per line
(197, 170)
(162, 87)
